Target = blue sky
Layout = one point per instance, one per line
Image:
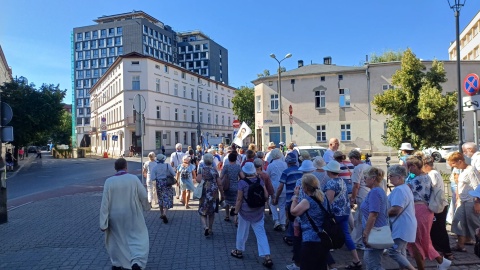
(35, 35)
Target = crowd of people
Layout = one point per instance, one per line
(301, 193)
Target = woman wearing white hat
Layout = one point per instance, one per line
(337, 195)
(406, 150)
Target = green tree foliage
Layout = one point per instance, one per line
(265, 73)
(386, 56)
(63, 132)
(36, 112)
(418, 111)
(244, 105)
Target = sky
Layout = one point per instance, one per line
(35, 35)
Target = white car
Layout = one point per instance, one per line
(314, 151)
(441, 153)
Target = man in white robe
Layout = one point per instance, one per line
(121, 218)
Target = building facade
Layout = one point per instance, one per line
(96, 47)
(333, 101)
(469, 42)
(176, 102)
(5, 70)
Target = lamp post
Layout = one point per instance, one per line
(199, 127)
(280, 92)
(456, 5)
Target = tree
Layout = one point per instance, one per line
(62, 134)
(265, 73)
(244, 105)
(36, 112)
(386, 56)
(418, 111)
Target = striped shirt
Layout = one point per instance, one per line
(289, 179)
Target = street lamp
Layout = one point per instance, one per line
(199, 128)
(280, 92)
(456, 5)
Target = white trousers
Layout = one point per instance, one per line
(357, 224)
(278, 211)
(259, 230)
(152, 191)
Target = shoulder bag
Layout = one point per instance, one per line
(381, 237)
(332, 235)
(225, 180)
(197, 193)
(170, 180)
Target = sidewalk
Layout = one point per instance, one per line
(63, 233)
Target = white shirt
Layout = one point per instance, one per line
(475, 160)
(405, 227)
(328, 155)
(467, 180)
(176, 158)
(437, 180)
(357, 177)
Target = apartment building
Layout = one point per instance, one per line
(96, 47)
(177, 100)
(333, 101)
(5, 70)
(469, 42)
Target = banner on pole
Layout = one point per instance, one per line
(242, 133)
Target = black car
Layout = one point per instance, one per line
(32, 149)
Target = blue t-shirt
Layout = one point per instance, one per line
(376, 201)
(317, 215)
(289, 179)
(340, 205)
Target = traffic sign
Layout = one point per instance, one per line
(291, 119)
(471, 84)
(7, 114)
(103, 127)
(471, 103)
(236, 123)
(290, 109)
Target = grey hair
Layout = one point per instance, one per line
(319, 162)
(151, 155)
(258, 163)
(354, 154)
(276, 153)
(178, 146)
(260, 154)
(208, 159)
(397, 170)
(470, 145)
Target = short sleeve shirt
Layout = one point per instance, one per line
(421, 187)
(340, 205)
(405, 225)
(467, 180)
(289, 179)
(376, 202)
(357, 177)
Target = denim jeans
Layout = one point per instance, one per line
(373, 259)
(399, 254)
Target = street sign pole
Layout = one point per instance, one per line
(471, 86)
(139, 102)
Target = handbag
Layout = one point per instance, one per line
(225, 180)
(437, 201)
(197, 193)
(170, 180)
(380, 237)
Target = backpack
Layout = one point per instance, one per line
(331, 236)
(255, 194)
(184, 173)
(437, 201)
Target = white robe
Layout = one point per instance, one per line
(121, 214)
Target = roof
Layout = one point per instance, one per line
(128, 15)
(312, 69)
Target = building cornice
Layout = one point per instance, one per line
(4, 62)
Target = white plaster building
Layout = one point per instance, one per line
(5, 70)
(332, 101)
(171, 105)
(469, 42)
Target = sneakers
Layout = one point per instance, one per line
(444, 265)
(360, 246)
(276, 227)
(293, 267)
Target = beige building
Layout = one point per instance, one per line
(333, 101)
(5, 70)
(469, 42)
(172, 108)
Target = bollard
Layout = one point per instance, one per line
(105, 155)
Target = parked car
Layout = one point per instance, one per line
(314, 151)
(32, 149)
(440, 154)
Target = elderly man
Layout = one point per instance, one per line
(359, 193)
(176, 157)
(270, 147)
(471, 151)
(466, 218)
(275, 170)
(333, 145)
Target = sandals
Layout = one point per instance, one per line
(268, 263)
(227, 219)
(459, 249)
(288, 241)
(449, 256)
(354, 265)
(236, 253)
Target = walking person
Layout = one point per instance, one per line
(185, 175)
(212, 185)
(148, 168)
(121, 218)
(251, 216)
(275, 170)
(21, 153)
(402, 216)
(175, 160)
(164, 192)
(9, 159)
(421, 186)
(39, 153)
(231, 170)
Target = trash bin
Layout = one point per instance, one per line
(81, 153)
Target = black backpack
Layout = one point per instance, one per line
(331, 236)
(255, 194)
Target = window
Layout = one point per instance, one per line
(344, 97)
(200, 117)
(200, 96)
(208, 98)
(193, 117)
(322, 78)
(270, 83)
(228, 103)
(111, 31)
(223, 120)
(321, 133)
(119, 30)
(166, 69)
(387, 87)
(209, 119)
(157, 85)
(216, 100)
(191, 93)
(136, 83)
(223, 101)
(340, 77)
(184, 91)
(95, 34)
(103, 33)
(183, 75)
(184, 115)
(345, 132)
(176, 114)
(216, 119)
(79, 36)
(159, 112)
(320, 99)
(175, 89)
(274, 102)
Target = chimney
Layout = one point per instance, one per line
(327, 60)
(300, 63)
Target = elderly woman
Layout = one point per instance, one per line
(185, 175)
(275, 170)
(337, 195)
(164, 192)
(319, 172)
(313, 253)
(230, 172)
(374, 213)
(438, 233)
(148, 168)
(421, 187)
(251, 217)
(406, 150)
(465, 220)
(402, 216)
(211, 186)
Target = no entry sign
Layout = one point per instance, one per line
(471, 84)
